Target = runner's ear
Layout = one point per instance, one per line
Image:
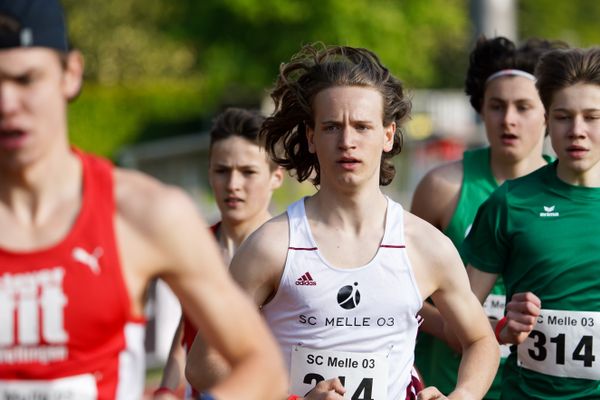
(388, 139)
(310, 138)
(73, 74)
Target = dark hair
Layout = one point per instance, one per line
(559, 69)
(492, 55)
(315, 68)
(237, 122)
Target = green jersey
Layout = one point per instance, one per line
(542, 235)
(438, 363)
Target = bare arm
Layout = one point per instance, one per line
(436, 196)
(521, 311)
(167, 238)
(229, 323)
(257, 268)
(434, 200)
(173, 372)
(433, 323)
(204, 367)
(440, 273)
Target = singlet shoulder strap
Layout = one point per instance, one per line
(97, 176)
(393, 235)
(300, 235)
(98, 203)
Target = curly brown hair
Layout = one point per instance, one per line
(315, 68)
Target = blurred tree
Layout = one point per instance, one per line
(150, 63)
(573, 21)
(244, 41)
(238, 44)
(125, 40)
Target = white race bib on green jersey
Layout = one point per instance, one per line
(564, 344)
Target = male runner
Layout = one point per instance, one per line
(80, 241)
(341, 275)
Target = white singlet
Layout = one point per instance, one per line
(357, 323)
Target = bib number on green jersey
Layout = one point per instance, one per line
(564, 344)
(364, 375)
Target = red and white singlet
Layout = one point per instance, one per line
(358, 324)
(66, 329)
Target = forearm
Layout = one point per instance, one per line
(241, 383)
(207, 370)
(205, 367)
(173, 372)
(478, 367)
(433, 323)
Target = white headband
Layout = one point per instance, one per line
(510, 72)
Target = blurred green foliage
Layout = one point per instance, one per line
(574, 21)
(151, 63)
(105, 118)
(161, 67)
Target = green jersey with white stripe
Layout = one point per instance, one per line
(543, 235)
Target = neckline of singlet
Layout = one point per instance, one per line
(384, 243)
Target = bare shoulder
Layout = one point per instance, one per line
(421, 235)
(432, 254)
(446, 178)
(269, 243)
(436, 195)
(160, 233)
(148, 204)
(259, 262)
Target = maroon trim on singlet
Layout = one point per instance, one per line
(393, 246)
(415, 386)
(303, 248)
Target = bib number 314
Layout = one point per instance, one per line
(564, 344)
(364, 376)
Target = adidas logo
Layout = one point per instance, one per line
(549, 212)
(306, 280)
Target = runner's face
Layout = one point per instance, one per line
(348, 136)
(241, 179)
(574, 124)
(34, 90)
(513, 115)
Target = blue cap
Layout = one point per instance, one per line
(32, 23)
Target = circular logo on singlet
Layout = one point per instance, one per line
(348, 297)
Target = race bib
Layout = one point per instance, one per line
(494, 308)
(364, 375)
(72, 388)
(564, 344)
